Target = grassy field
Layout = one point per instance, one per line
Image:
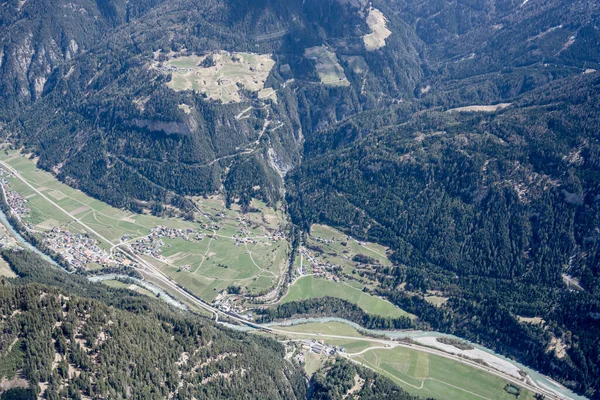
(5, 269)
(436, 300)
(216, 262)
(313, 362)
(309, 287)
(417, 372)
(110, 222)
(338, 249)
(220, 81)
(358, 64)
(379, 31)
(130, 286)
(116, 284)
(326, 328)
(351, 247)
(430, 375)
(328, 68)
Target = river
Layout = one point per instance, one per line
(24, 242)
(537, 377)
(146, 285)
(540, 379)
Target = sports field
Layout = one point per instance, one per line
(310, 287)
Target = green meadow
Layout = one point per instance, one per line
(215, 263)
(309, 287)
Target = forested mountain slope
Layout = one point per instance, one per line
(116, 122)
(344, 109)
(344, 379)
(37, 36)
(109, 122)
(491, 50)
(68, 338)
(494, 210)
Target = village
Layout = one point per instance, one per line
(15, 201)
(320, 268)
(81, 251)
(151, 245)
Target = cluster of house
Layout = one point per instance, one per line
(230, 304)
(79, 250)
(173, 233)
(16, 202)
(319, 267)
(321, 240)
(238, 241)
(317, 347)
(151, 245)
(148, 246)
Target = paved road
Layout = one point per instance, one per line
(154, 272)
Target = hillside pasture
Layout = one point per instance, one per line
(310, 287)
(222, 75)
(328, 68)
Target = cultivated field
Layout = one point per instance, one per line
(110, 222)
(216, 263)
(309, 287)
(417, 372)
(426, 374)
(232, 249)
(222, 75)
(329, 69)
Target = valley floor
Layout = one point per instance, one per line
(226, 260)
